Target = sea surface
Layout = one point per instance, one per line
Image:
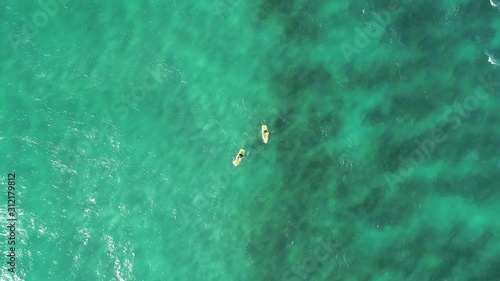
(120, 120)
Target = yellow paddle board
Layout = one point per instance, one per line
(238, 158)
(265, 133)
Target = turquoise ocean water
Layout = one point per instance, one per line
(120, 120)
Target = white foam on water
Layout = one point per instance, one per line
(84, 235)
(493, 4)
(59, 166)
(42, 230)
(124, 272)
(110, 244)
(7, 276)
(451, 15)
(118, 270)
(492, 59)
(29, 140)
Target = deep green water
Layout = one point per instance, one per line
(121, 119)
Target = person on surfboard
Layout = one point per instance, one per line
(265, 133)
(239, 157)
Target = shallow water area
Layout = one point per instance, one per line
(121, 119)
